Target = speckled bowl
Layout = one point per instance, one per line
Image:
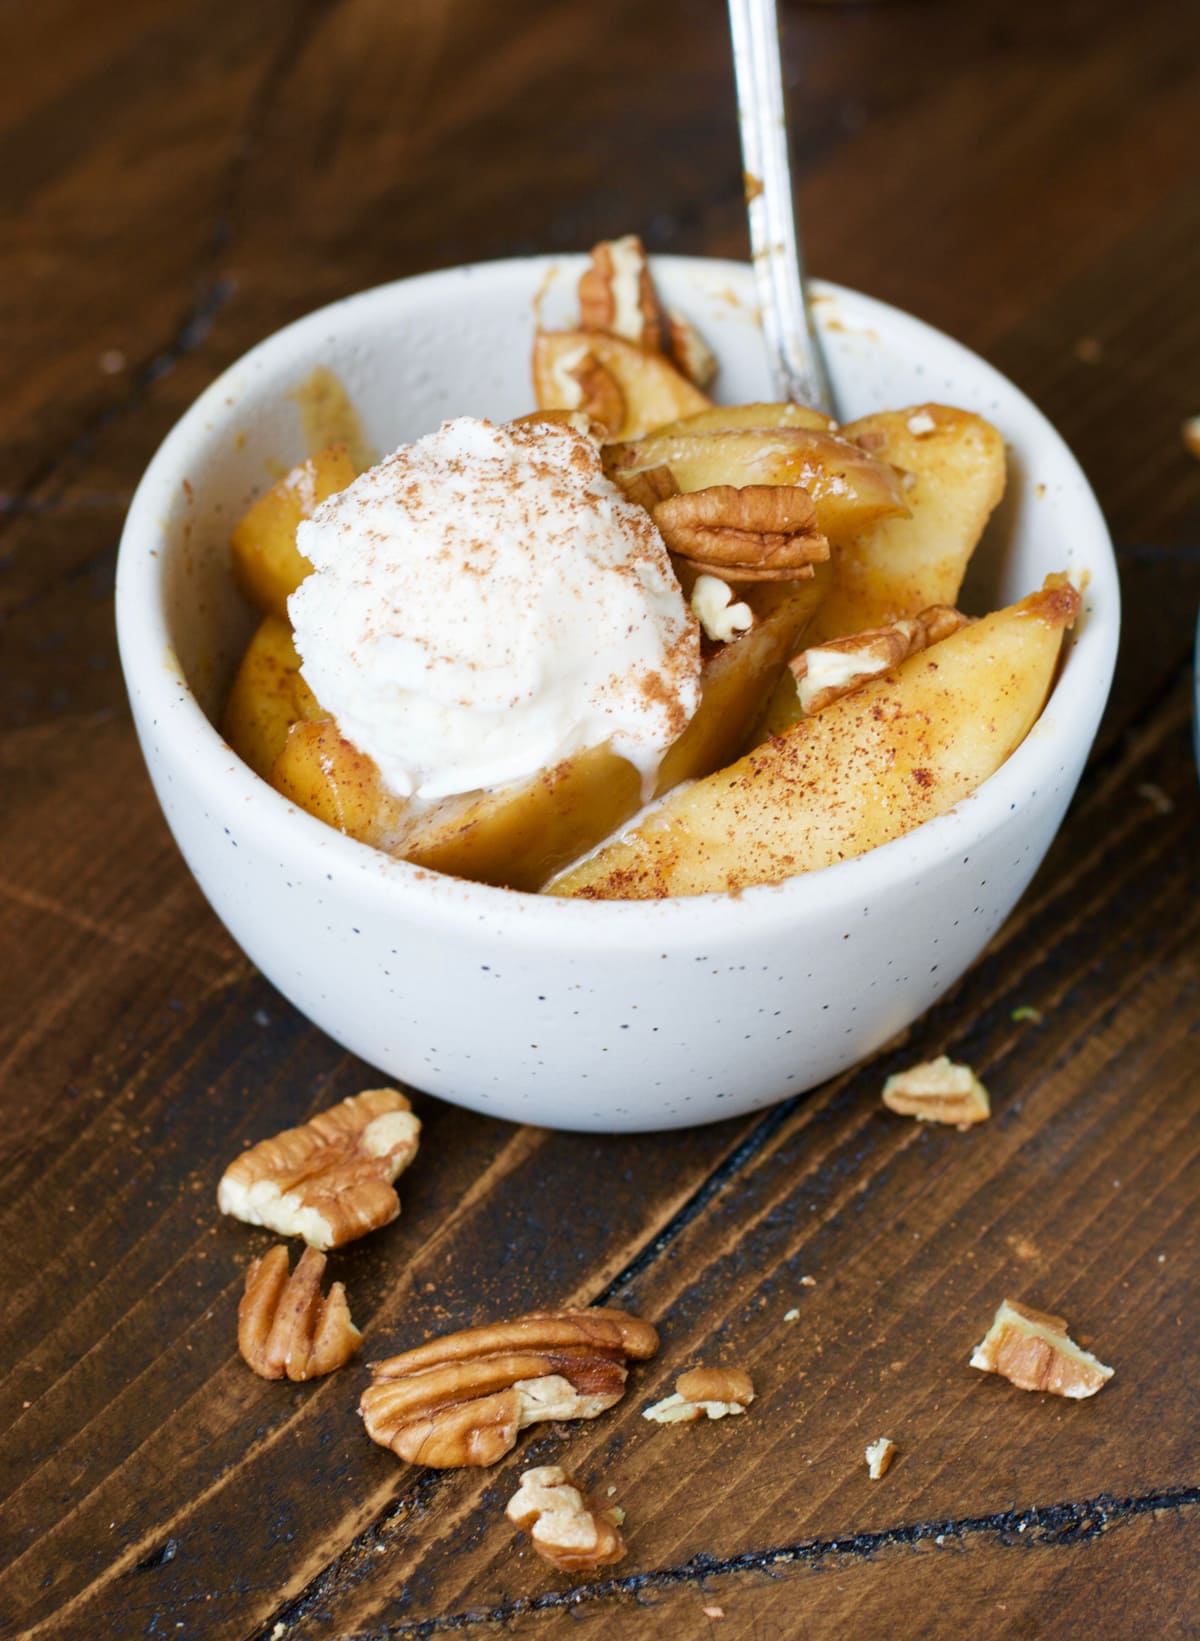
(573, 1014)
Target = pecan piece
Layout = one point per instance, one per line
(704, 1393)
(826, 672)
(879, 1457)
(721, 618)
(689, 350)
(563, 1527)
(601, 398)
(579, 384)
(331, 1179)
(648, 486)
(938, 1091)
(616, 294)
(462, 1399)
(752, 532)
(285, 1326)
(1032, 1350)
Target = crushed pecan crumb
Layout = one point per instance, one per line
(563, 1527)
(704, 1392)
(938, 1091)
(463, 1399)
(1032, 1350)
(285, 1326)
(331, 1179)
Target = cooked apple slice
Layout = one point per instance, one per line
(739, 677)
(267, 564)
(953, 464)
(267, 698)
(320, 771)
(725, 418)
(518, 836)
(870, 767)
(849, 487)
(613, 380)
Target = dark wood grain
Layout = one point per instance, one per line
(179, 179)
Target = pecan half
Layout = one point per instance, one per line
(752, 532)
(462, 1399)
(938, 1091)
(826, 672)
(563, 1527)
(616, 294)
(286, 1327)
(704, 1393)
(1032, 1350)
(329, 1180)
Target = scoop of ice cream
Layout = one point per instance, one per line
(484, 603)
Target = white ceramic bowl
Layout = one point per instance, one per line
(578, 1014)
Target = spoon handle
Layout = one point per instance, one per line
(794, 352)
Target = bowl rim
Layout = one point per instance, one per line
(155, 677)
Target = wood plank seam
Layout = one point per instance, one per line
(750, 1148)
(341, 1574)
(1044, 1526)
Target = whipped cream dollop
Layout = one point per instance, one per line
(484, 603)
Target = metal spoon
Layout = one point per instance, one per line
(793, 347)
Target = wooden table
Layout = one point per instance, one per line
(181, 177)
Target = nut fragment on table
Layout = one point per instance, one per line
(938, 1091)
(331, 1179)
(563, 1527)
(879, 1456)
(704, 1393)
(286, 1327)
(463, 1399)
(751, 532)
(826, 672)
(1032, 1350)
